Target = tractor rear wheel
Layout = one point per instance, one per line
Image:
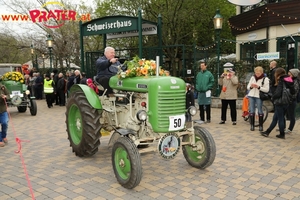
(83, 125)
(126, 163)
(203, 153)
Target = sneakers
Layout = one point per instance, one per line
(287, 131)
(2, 144)
(5, 140)
(222, 122)
(208, 121)
(233, 123)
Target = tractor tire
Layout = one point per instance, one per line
(22, 109)
(83, 125)
(203, 153)
(126, 163)
(32, 107)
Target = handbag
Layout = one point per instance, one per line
(286, 97)
(263, 95)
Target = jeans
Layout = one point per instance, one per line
(291, 112)
(255, 101)
(4, 125)
(278, 117)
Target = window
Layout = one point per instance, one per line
(248, 51)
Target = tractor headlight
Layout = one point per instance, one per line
(27, 92)
(141, 115)
(192, 110)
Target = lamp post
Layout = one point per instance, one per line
(32, 53)
(34, 61)
(50, 46)
(218, 22)
(43, 56)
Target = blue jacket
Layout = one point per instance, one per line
(105, 68)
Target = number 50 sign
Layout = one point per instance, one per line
(176, 122)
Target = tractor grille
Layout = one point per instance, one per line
(170, 103)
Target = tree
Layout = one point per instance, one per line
(187, 22)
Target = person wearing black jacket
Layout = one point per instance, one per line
(273, 67)
(61, 87)
(189, 101)
(70, 82)
(38, 86)
(107, 66)
(55, 79)
(280, 108)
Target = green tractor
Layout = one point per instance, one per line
(146, 114)
(13, 79)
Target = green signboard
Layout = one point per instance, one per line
(111, 24)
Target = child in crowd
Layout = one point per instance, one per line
(245, 105)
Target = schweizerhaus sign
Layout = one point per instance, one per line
(118, 26)
(109, 25)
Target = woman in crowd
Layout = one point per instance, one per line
(229, 83)
(281, 79)
(258, 82)
(291, 111)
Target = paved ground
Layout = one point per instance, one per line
(247, 165)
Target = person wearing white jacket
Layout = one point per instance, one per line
(258, 82)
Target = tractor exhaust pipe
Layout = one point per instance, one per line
(157, 66)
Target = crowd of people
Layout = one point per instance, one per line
(274, 86)
(54, 86)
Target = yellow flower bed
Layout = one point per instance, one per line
(13, 76)
(140, 67)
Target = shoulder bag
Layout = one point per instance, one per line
(263, 95)
(286, 97)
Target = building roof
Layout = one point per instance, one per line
(272, 14)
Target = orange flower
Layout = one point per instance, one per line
(153, 65)
(141, 62)
(161, 72)
(144, 71)
(127, 71)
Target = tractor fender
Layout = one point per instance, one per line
(90, 94)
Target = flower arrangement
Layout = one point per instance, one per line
(140, 67)
(13, 76)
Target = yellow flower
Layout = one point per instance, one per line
(14, 76)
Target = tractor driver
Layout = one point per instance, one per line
(107, 66)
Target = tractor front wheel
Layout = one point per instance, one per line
(202, 154)
(83, 125)
(126, 163)
(32, 107)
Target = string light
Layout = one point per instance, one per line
(276, 14)
(243, 42)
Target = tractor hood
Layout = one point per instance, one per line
(143, 83)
